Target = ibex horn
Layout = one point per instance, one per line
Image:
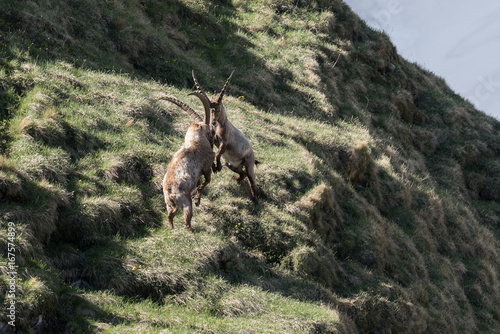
(204, 99)
(221, 94)
(184, 107)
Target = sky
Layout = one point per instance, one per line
(457, 40)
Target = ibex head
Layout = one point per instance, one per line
(213, 107)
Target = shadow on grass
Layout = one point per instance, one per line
(206, 40)
(82, 313)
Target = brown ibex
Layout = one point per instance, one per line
(232, 144)
(194, 159)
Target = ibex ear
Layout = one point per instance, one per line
(221, 94)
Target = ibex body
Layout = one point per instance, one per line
(232, 145)
(189, 163)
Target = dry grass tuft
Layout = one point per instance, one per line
(321, 211)
(318, 263)
(361, 168)
(407, 109)
(10, 183)
(383, 314)
(128, 167)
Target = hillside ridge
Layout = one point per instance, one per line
(379, 187)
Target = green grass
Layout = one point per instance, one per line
(378, 195)
(250, 310)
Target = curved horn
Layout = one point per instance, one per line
(206, 104)
(203, 97)
(184, 107)
(221, 94)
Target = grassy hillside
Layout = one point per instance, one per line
(379, 187)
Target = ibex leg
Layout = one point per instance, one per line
(171, 210)
(187, 208)
(208, 176)
(251, 179)
(239, 171)
(220, 152)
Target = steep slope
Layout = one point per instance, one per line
(379, 187)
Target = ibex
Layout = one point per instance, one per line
(232, 144)
(194, 159)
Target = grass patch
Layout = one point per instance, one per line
(377, 184)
